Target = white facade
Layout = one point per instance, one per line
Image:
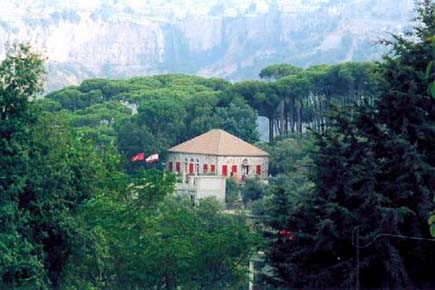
(198, 187)
(190, 164)
(202, 175)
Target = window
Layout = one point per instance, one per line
(213, 168)
(190, 168)
(258, 170)
(177, 167)
(234, 169)
(170, 166)
(205, 168)
(224, 170)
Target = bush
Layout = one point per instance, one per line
(252, 190)
(232, 189)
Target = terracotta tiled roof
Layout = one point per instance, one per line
(218, 142)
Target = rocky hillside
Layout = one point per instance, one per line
(226, 38)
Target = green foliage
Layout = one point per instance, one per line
(430, 75)
(300, 98)
(206, 111)
(261, 96)
(374, 170)
(69, 220)
(20, 81)
(239, 120)
(432, 225)
(232, 191)
(264, 97)
(47, 174)
(171, 109)
(100, 114)
(257, 207)
(63, 174)
(154, 129)
(133, 138)
(289, 154)
(278, 71)
(148, 239)
(164, 118)
(285, 193)
(200, 114)
(73, 99)
(96, 123)
(252, 190)
(50, 105)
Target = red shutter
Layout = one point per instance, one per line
(224, 170)
(213, 168)
(170, 166)
(234, 169)
(177, 167)
(190, 168)
(258, 169)
(205, 168)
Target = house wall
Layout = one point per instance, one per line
(198, 161)
(208, 185)
(202, 184)
(240, 163)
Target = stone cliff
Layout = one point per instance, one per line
(230, 39)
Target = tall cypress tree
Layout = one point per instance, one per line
(373, 174)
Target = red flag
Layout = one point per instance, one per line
(152, 158)
(138, 157)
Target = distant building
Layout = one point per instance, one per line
(205, 162)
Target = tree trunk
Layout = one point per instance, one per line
(286, 117)
(270, 129)
(292, 120)
(301, 108)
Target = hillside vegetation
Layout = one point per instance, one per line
(349, 205)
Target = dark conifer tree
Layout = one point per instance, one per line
(373, 174)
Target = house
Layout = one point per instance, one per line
(205, 162)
